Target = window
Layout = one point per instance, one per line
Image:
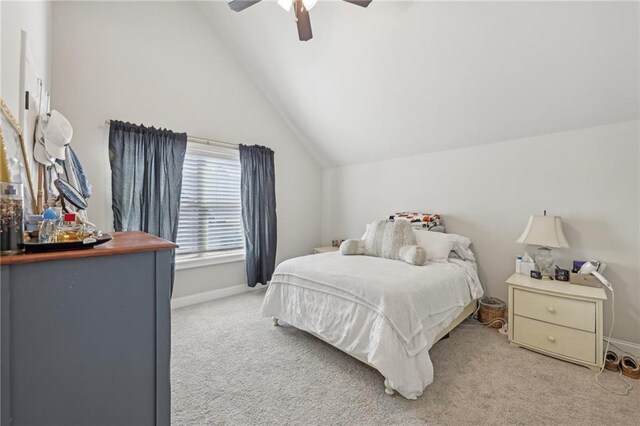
(210, 210)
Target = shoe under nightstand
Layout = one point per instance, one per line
(556, 318)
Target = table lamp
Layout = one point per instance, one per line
(545, 232)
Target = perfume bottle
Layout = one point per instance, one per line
(48, 229)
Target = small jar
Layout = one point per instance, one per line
(11, 218)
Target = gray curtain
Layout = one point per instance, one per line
(146, 178)
(258, 188)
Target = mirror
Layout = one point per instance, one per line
(68, 194)
(14, 163)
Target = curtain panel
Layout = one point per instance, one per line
(146, 178)
(258, 192)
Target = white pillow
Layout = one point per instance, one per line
(364, 236)
(463, 250)
(439, 245)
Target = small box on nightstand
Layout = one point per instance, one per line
(584, 279)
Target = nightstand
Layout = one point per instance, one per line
(556, 318)
(318, 250)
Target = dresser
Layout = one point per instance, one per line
(86, 335)
(556, 318)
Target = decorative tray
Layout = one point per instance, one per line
(36, 247)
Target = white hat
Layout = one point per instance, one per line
(39, 151)
(57, 134)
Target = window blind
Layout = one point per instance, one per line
(210, 210)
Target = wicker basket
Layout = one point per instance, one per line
(491, 309)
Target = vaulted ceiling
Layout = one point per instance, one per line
(402, 78)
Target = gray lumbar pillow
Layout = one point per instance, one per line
(414, 255)
(351, 247)
(386, 239)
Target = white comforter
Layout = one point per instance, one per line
(386, 311)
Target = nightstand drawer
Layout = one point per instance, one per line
(580, 314)
(565, 341)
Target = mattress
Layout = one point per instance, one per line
(385, 311)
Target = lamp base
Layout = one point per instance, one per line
(544, 261)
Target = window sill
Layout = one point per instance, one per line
(199, 261)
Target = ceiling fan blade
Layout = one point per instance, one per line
(240, 5)
(361, 3)
(303, 21)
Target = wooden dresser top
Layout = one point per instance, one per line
(122, 243)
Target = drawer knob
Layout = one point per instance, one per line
(551, 338)
(551, 309)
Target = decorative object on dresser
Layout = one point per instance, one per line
(562, 274)
(557, 319)
(11, 218)
(318, 250)
(535, 274)
(70, 195)
(545, 232)
(336, 243)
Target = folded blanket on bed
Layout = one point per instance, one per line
(418, 220)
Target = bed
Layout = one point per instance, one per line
(383, 312)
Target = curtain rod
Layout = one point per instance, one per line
(197, 139)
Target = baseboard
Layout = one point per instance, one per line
(632, 348)
(207, 296)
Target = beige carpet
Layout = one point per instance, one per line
(230, 366)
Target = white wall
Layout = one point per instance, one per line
(160, 64)
(35, 19)
(589, 177)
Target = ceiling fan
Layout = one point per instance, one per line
(301, 8)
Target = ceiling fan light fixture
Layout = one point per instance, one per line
(301, 11)
(308, 4)
(285, 4)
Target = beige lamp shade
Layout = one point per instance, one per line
(544, 231)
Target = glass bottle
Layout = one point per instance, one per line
(48, 229)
